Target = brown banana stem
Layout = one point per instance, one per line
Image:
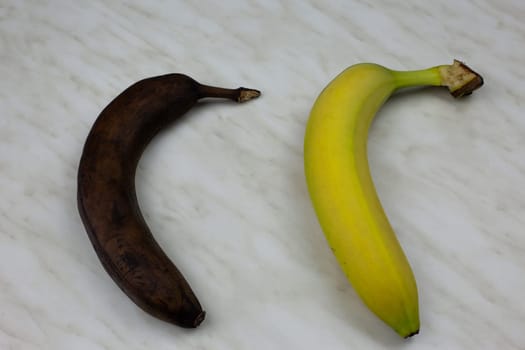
(239, 95)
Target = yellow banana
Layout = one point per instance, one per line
(342, 191)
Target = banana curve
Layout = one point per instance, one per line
(346, 191)
(342, 191)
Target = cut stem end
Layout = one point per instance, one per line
(460, 79)
(247, 94)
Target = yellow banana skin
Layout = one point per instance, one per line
(342, 191)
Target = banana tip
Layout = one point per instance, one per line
(412, 334)
(198, 320)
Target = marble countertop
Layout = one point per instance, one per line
(236, 217)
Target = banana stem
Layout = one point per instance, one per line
(458, 77)
(240, 94)
(421, 77)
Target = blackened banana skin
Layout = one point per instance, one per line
(107, 200)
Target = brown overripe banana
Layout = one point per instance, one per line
(107, 201)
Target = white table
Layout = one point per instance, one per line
(224, 191)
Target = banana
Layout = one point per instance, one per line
(342, 191)
(107, 201)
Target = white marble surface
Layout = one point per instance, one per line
(224, 192)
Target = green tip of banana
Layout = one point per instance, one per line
(342, 191)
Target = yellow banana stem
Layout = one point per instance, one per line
(459, 78)
(421, 77)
